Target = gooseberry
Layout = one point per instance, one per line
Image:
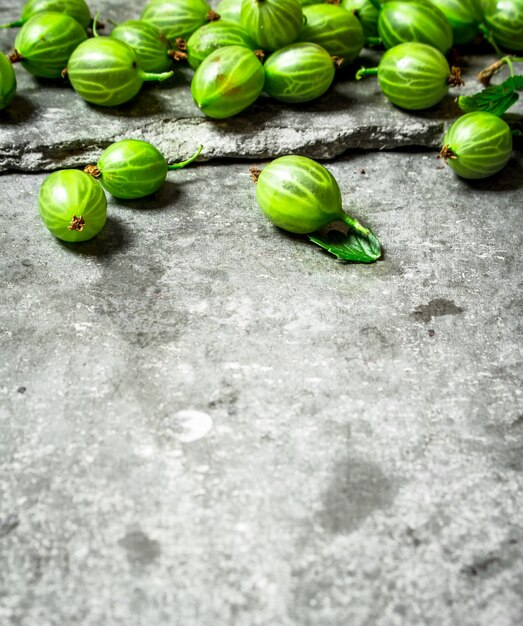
(230, 10)
(403, 21)
(132, 168)
(215, 35)
(414, 75)
(107, 72)
(298, 73)
(477, 145)
(178, 18)
(227, 82)
(76, 9)
(7, 82)
(272, 24)
(504, 19)
(151, 46)
(45, 43)
(301, 196)
(73, 205)
(367, 14)
(463, 15)
(333, 28)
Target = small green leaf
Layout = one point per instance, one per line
(353, 247)
(496, 99)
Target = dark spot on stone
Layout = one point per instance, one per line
(141, 550)
(363, 171)
(27, 263)
(518, 422)
(481, 567)
(357, 490)
(224, 397)
(436, 308)
(432, 332)
(411, 534)
(22, 389)
(8, 524)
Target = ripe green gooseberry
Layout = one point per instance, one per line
(7, 82)
(107, 72)
(230, 10)
(367, 14)
(463, 15)
(76, 9)
(215, 35)
(403, 21)
(227, 82)
(477, 145)
(414, 76)
(132, 168)
(45, 43)
(272, 24)
(333, 28)
(301, 196)
(178, 18)
(73, 205)
(151, 46)
(504, 19)
(298, 73)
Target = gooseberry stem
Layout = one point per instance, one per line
(366, 71)
(160, 77)
(374, 41)
(178, 166)
(485, 75)
(14, 24)
(95, 24)
(355, 225)
(490, 38)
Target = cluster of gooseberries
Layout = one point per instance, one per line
(287, 49)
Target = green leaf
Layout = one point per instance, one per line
(353, 247)
(496, 99)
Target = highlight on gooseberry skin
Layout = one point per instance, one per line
(477, 145)
(72, 205)
(132, 168)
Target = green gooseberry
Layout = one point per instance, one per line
(477, 145)
(301, 196)
(367, 14)
(73, 205)
(272, 24)
(76, 9)
(7, 82)
(227, 82)
(45, 43)
(308, 3)
(133, 168)
(298, 73)
(504, 19)
(151, 46)
(414, 76)
(178, 18)
(333, 28)
(403, 21)
(107, 72)
(463, 15)
(216, 35)
(230, 10)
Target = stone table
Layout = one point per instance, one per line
(207, 422)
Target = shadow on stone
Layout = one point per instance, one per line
(510, 178)
(19, 111)
(358, 488)
(114, 238)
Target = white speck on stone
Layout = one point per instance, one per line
(192, 425)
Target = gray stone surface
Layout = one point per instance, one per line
(48, 126)
(206, 422)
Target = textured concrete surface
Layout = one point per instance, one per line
(206, 422)
(49, 126)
